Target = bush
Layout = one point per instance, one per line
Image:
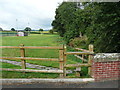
(51, 31)
(78, 42)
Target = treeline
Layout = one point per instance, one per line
(89, 23)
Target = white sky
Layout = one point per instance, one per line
(33, 13)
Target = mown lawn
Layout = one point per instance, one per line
(37, 40)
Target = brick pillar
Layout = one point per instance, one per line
(106, 69)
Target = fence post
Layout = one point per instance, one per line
(89, 59)
(61, 61)
(22, 51)
(64, 60)
(82, 58)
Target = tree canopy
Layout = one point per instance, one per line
(27, 29)
(12, 29)
(100, 21)
(41, 29)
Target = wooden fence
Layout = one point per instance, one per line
(61, 60)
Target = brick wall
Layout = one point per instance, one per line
(106, 67)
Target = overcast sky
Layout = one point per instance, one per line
(19, 14)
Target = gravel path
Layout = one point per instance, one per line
(32, 65)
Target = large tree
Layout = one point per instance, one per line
(12, 29)
(64, 21)
(28, 29)
(104, 30)
(98, 20)
(40, 30)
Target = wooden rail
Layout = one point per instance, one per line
(79, 53)
(29, 58)
(84, 60)
(83, 53)
(82, 49)
(77, 65)
(23, 58)
(62, 59)
(32, 47)
(31, 70)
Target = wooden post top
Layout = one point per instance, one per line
(91, 47)
(21, 44)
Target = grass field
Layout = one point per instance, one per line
(37, 40)
(39, 32)
(10, 74)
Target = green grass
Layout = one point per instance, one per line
(11, 74)
(32, 40)
(37, 40)
(43, 32)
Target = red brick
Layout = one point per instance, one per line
(106, 69)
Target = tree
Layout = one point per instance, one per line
(28, 29)
(51, 31)
(64, 22)
(103, 30)
(1, 29)
(12, 29)
(40, 30)
(98, 20)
